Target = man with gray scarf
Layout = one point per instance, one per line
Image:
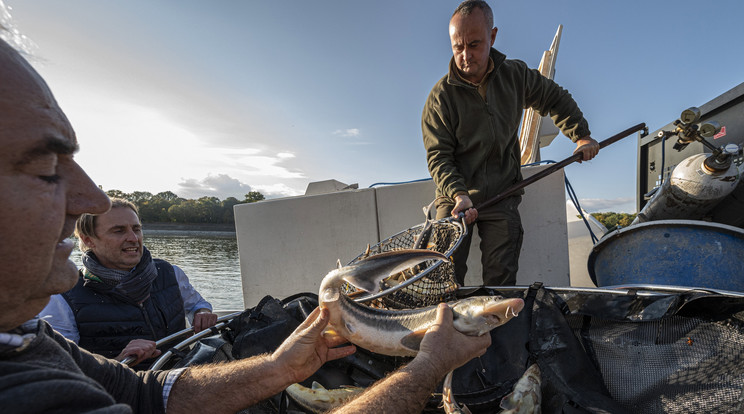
(124, 299)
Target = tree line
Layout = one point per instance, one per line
(167, 207)
(612, 219)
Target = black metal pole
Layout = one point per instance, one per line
(555, 167)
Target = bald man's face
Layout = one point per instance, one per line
(471, 39)
(43, 192)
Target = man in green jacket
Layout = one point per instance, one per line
(470, 128)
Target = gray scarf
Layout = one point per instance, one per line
(132, 287)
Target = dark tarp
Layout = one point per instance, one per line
(637, 350)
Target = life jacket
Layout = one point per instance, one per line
(106, 324)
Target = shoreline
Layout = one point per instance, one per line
(221, 227)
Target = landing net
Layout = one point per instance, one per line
(437, 279)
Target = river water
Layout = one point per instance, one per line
(209, 259)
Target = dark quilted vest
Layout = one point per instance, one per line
(107, 325)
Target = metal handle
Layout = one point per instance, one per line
(172, 337)
(555, 167)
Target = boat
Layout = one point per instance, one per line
(647, 318)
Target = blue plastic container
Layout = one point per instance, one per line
(671, 252)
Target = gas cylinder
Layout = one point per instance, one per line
(692, 189)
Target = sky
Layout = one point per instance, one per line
(219, 98)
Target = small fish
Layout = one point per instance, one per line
(367, 251)
(526, 397)
(422, 239)
(449, 404)
(318, 399)
(399, 332)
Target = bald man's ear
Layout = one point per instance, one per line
(493, 34)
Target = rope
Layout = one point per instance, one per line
(401, 182)
(572, 196)
(663, 160)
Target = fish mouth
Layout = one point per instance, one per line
(503, 310)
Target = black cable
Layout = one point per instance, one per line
(575, 200)
(572, 196)
(663, 159)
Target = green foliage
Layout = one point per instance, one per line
(227, 209)
(168, 207)
(613, 219)
(253, 196)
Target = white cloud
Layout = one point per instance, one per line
(351, 132)
(150, 152)
(277, 190)
(221, 186)
(246, 163)
(603, 205)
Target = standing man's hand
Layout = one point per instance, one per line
(140, 349)
(204, 319)
(464, 205)
(308, 348)
(588, 147)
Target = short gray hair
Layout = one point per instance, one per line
(10, 34)
(467, 7)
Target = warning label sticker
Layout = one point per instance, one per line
(720, 134)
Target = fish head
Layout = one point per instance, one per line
(480, 314)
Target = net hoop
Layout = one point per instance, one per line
(432, 281)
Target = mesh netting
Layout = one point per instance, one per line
(599, 351)
(436, 286)
(674, 365)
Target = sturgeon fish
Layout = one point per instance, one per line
(526, 398)
(318, 399)
(399, 332)
(449, 404)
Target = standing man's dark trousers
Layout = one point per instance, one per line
(500, 230)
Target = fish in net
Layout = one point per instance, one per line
(436, 285)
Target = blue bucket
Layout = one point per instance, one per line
(688, 253)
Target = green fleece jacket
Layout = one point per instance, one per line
(472, 144)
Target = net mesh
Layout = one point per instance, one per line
(673, 365)
(436, 286)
